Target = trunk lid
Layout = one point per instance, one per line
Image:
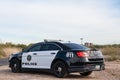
(94, 54)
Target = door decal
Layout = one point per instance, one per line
(29, 57)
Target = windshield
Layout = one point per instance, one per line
(76, 46)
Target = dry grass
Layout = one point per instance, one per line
(2, 54)
(111, 53)
(9, 50)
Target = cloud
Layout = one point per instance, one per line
(96, 21)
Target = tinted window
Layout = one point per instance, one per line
(35, 48)
(50, 47)
(76, 46)
(64, 47)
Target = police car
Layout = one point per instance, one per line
(59, 58)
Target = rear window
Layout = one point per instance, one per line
(76, 46)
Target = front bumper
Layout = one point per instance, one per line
(87, 67)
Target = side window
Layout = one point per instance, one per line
(50, 47)
(35, 48)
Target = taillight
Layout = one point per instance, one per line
(82, 54)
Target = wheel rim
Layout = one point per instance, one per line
(14, 67)
(59, 70)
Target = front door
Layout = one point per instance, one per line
(40, 56)
(29, 58)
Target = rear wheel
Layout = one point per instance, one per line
(15, 66)
(86, 73)
(59, 69)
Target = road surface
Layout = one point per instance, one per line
(112, 72)
(3, 61)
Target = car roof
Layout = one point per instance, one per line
(62, 45)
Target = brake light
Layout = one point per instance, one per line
(82, 54)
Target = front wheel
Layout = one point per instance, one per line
(15, 66)
(86, 73)
(59, 69)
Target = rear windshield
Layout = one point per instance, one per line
(76, 46)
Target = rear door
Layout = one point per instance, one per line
(47, 55)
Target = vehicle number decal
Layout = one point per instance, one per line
(69, 54)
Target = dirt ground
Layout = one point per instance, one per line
(112, 72)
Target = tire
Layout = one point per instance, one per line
(15, 66)
(86, 73)
(59, 69)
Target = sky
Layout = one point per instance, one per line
(29, 21)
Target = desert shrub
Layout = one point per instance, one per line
(7, 48)
(112, 58)
(112, 52)
(2, 54)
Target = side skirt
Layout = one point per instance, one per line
(36, 70)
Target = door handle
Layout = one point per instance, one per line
(34, 53)
(52, 53)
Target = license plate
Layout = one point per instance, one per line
(97, 67)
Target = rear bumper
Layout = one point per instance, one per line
(87, 67)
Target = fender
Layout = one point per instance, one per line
(17, 56)
(61, 56)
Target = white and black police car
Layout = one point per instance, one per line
(59, 58)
